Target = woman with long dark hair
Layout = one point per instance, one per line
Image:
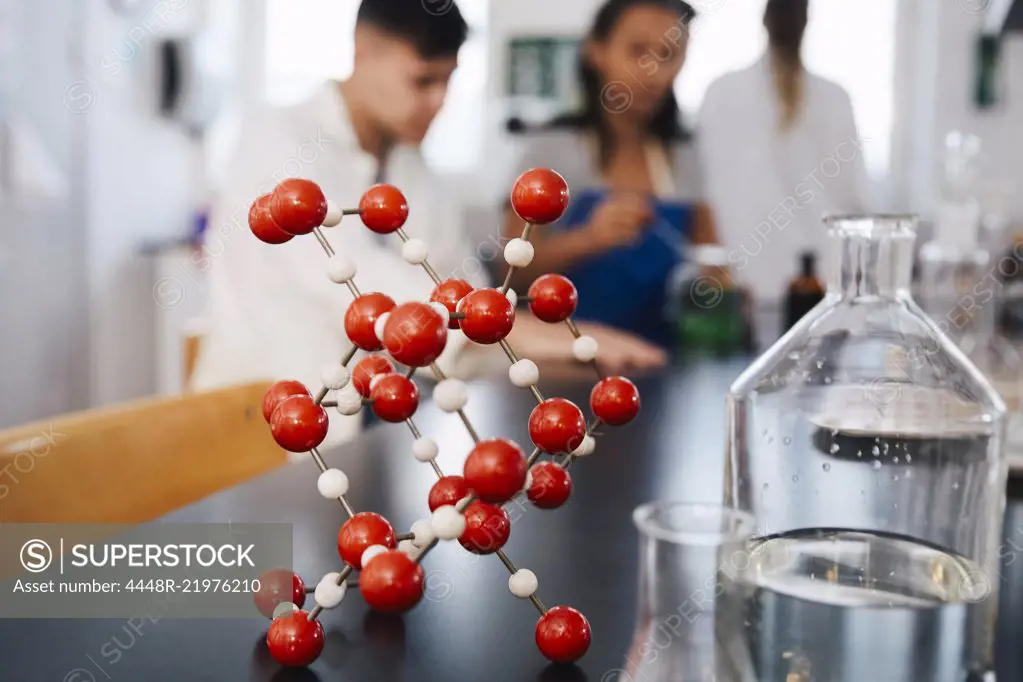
(632, 169)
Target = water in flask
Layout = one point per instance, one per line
(828, 605)
(831, 602)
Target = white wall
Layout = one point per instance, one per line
(43, 306)
(139, 189)
(934, 95)
(144, 174)
(511, 20)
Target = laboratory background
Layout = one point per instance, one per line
(744, 276)
(118, 119)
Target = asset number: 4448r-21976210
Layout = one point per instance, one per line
(193, 585)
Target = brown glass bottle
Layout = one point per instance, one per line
(805, 291)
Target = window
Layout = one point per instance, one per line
(309, 41)
(729, 35)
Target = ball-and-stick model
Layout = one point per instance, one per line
(467, 508)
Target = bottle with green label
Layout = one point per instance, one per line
(709, 305)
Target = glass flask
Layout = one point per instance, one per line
(869, 449)
(956, 273)
(689, 619)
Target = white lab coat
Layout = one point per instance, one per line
(272, 311)
(769, 188)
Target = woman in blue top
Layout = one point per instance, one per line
(626, 158)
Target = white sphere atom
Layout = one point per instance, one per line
(283, 609)
(335, 376)
(372, 552)
(524, 374)
(378, 326)
(523, 583)
(448, 523)
(376, 379)
(349, 402)
(442, 310)
(513, 297)
(334, 215)
(328, 593)
(422, 532)
(408, 548)
(585, 349)
(585, 448)
(425, 449)
(451, 395)
(341, 268)
(519, 253)
(330, 577)
(415, 251)
(332, 484)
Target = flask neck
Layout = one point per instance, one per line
(872, 256)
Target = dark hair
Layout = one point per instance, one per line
(666, 124)
(435, 28)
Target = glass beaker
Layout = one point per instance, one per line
(869, 449)
(689, 618)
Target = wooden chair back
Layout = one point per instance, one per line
(136, 462)
(190, 348)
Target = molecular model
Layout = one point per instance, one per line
(467, 508)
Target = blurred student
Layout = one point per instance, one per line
(273, 313)
(780, 150)
(632, 168)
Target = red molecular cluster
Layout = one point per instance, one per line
(468, 508)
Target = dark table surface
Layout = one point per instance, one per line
(469, 627)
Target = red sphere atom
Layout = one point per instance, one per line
(551, 485)
(362, 531)
(449, 293)
(489, 316)
(394, 397)
(298, 424)
(367, 369)
(615, 401)
(263, 224)
(563, 634)
(415, 334)
(392, 582)
(361, 318)
(540, 196)
(495, 470)
(557, 426)
(278, 392)
(553, 298)
(384, 209)
(294, 640)
(298, 206)
(277, 587)
(447, 491)
(487, 528)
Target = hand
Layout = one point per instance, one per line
(620, 352)
(619, 220)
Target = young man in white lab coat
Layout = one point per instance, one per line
(273, 312)
(780, 149)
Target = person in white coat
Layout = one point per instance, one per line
(780, 149)
(273, 313)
